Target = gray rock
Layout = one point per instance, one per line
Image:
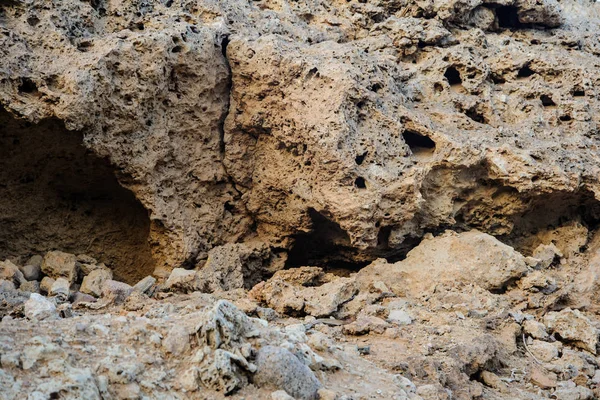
(399, 317)
(32, 272)
(79, 297)
(39, 308)
(60, 289)
(57, 264)
(281, 395)
(31, 287)
(144, 285)
(92, 283)
(7, 286)
(35, 260)
(280, 369)
(116, 292)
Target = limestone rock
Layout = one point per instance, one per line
(93, 282)
(279, 369)
(324, 300)
(236, 266)
(11, 272)
(144, 285)
(575, 327)
(469, 257)
(40, 308)
(32, 272)
(115, 291)
(182, 279)
(60, 289)
(57, 264)
(46, 284)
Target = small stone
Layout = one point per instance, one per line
(281, 395)
(32, 272)
(365, 325)
(92, 283)
(7, 286)
(57, 264)
(189, 379)
(324, 300)
(399, 317)
(326, 394)
(46, 284)
(116, 292)
(541, 379)
(280, 369)
(144, 285)
(547, 254)
(492, 380)
(60, 289)
(573, 326)
(35, 260)
(30, 286)
(181, 279)
(267, 314)
(39, 308)
(11, 272)
(79, 297)
(535, 329)
(543, 351)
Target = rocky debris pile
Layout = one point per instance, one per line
(68, 281)
(463, 316)
(194, 347)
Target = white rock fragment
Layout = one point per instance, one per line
(39, 308)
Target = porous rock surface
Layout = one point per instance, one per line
(355, 125)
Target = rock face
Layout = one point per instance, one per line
(338, 132)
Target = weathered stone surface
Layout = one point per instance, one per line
(93, 283)
(39, 308)
(32, 272)
(115, 291)
(235, 266)
(10, 272)
(359, 129)
(278, 368)
(575, 327)
(145, 284)
(57, 264)
(324, 300)
(46, 284)
(60, 288)
(469, 257)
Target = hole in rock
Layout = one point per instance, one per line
(476, 116)
(453, 76)
(547, 101)
(327, 245)
(565, 118)
(578, 92)
(418, 144)
(525, 72)
(359, 159)
(56, 195)
(508, 17)
(360, 183)
(27, 86)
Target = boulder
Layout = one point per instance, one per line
(465, 258)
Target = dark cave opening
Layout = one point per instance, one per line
(327, 245)
(57, 195)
